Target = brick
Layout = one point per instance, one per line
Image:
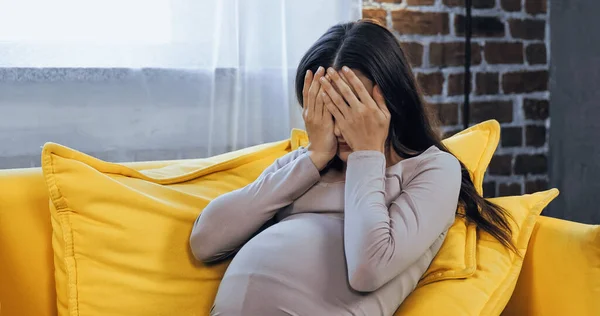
(503, 53)
(413, 52)
(420, 2)
(536, 6)
(432, 83)
(489, 189)
(501, 165)
(482, 26)
(487, 83)
(527, 29)
(477, 4)
(535, 135)
(487, 110)
(422, 23)
(510, 5)
(452, 54)
(532, 186)
(525, 81)
(531, 164)
(378, 15)
(456, 84)
(536, 54)
(447, 113)
(507, 189)
(511, 136)
(536, 109)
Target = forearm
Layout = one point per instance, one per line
(383, 240)
(368, 237)
(231, 219)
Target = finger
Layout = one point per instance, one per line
(344, 89)
(336, 98)
(319, 105)
(346, 80)
(358, 86)
(307, 81)
(324, 110)
(380, 100)
(332, 109)
(314, 89)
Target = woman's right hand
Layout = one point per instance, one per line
(318, 121)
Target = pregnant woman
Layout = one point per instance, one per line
(347, 225)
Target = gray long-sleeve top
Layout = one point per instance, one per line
(355, 247)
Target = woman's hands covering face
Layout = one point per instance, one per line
(363, 120)
(318, 121)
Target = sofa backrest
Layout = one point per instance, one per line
(26, 273)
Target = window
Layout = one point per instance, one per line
(130, 80)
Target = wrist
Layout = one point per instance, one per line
(371, 148)
(319, 160)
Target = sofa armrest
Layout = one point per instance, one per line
(561, 271)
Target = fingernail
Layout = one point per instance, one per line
(307, 72)
(345, 69)
(320, 68)
(323, 79)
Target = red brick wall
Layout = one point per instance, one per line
(509, 75)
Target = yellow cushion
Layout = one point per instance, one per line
(120, 236)
(561, 272)
(488, 290)
(475, 147)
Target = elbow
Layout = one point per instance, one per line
(204, 243)
(365, 278)
(203, 248)
(200, 247)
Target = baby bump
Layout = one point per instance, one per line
(304, 252)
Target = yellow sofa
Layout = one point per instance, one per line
(562, 263)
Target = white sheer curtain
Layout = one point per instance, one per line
(154, 79)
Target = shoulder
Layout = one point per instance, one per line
(436, 163)
(436, 158)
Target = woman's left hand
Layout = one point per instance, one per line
(363, 120)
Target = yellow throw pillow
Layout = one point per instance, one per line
(488, 290)
(561, 272)
(475, 147)
(121, 237)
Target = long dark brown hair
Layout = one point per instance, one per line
(376, 53)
